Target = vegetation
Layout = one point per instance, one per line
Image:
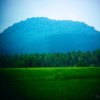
(72, 83)
(52, 59)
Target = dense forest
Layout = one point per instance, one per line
(79, 58)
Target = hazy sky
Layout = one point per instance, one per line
(12, 11)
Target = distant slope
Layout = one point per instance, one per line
(38, 35)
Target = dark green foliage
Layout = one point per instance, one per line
(52, 59)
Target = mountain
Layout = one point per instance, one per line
(43, 35)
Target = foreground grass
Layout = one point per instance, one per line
(72, 83)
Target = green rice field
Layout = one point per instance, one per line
(71, 83)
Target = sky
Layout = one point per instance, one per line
(13, 11)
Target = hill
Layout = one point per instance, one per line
(43, 35)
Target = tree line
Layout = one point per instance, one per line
(79, 58)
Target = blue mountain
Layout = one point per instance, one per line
(43, 35)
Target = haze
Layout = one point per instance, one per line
(13, 11)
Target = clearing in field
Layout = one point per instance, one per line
(72, 83)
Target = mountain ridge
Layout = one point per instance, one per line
(42, 35)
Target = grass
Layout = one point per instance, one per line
(72, 83)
